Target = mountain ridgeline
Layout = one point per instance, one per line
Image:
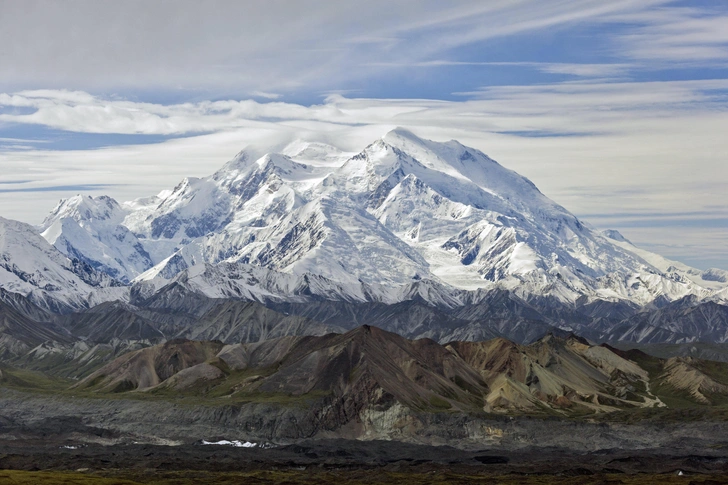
(424, 239)
(357, 374)
(370, 384)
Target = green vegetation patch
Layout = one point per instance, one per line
(16, 477)
(28, 380)
(439, 403)
(718, 371)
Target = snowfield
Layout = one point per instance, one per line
(404, 218)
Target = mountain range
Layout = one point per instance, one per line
(370, 384)
(422, 238)
(367, 374)
(369, 369)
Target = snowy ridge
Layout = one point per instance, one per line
(244, 281)
(91, 230)
(31, 267)
(710, 279)
(405, 218)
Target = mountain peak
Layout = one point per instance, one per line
(85, 208)
(240, 162)
(401, 133)
(403, 208)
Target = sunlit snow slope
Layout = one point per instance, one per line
(404, 217)
(31, 267)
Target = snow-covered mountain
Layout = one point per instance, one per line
(31, 267)
(91, 230)
(404, 218)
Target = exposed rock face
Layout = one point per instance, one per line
(552, 371)
(678, 322)
(686, 374)
(18, 333)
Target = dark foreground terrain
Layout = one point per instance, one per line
(74, 450)
(347, 461)
(368, 406)
(66, 450)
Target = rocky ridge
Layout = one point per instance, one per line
(368, 370)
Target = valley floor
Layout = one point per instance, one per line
(340, 477)
(343, 462)
(48, 439)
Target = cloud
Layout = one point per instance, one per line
(699, 247)
(263, 94)
(550, 109)
(20, 140)
(243, 47)
(55, 188)
(584, 70)
(621, 148)
(664, 216)
(686, 35)
(573, 69)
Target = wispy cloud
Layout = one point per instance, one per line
(551, 109)
(685, 35)
(56, 188)
(21, 140)
(256, 46)
(573, 69)
(642, 148)
(664, 216)
(265, 95)
(584, 70)
(700, 247)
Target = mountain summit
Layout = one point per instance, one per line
(421, 238)
(403, 213)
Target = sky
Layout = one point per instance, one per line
(616, 110)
